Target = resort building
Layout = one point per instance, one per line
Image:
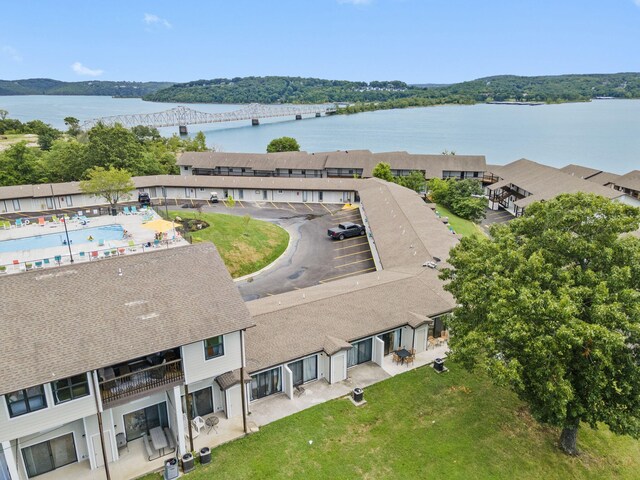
(523, 182)
(629, 184)
(97, 356)
(606, 179)
(340, 164)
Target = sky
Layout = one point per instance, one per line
(416, 41)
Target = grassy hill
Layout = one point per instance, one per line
(421, 425)
(47, 86)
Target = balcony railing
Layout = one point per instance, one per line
(141, 381)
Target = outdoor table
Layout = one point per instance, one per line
(212, 422)
(403, 353)
(158, 439)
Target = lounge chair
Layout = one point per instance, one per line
(133, 209)
(132, 246)
(58, 259)
(101, 242)
(54, 219)
(46, 262)
(94, 254)
(19, 222)
(41, 221)
(6, 225)
(82, 255)
(38, 264)
(126, 210)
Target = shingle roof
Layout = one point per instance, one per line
(229, 379)
(593, 175)
(545, 183)
(289, 326)
(72, 319)
(630, 180)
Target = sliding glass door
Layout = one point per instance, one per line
(360, 352)
(304, 371)
(266, 383)
(201, 403)
(47, 456)
(138, 423)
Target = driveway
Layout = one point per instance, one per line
(312, 257)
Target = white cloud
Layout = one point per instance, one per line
(82, 70)
(367, 2)
(151, 19)
(12, 53)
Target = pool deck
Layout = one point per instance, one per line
(133, 224)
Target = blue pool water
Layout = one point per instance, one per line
(77, 237)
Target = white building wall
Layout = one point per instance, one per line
(407, 338)
(377, 353)
(323, 366)
(77, 428)
(287, 381)
(339, 366)
(233, 400)
(197, 368)
(50, 417)
(420, 343)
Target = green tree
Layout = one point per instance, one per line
(550, 305)
(66, 161)
(112, 184)
(383, 170)
(283, 144)
(114, 146)
(73, 126)
(438, 190)
(3, 114)
(197, 144)
(20, 165)
(415, 181)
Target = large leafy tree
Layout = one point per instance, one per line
(550, 305)
(283, 144)
(462, 197)
(113, 146)
(112, 184)
(383, 170)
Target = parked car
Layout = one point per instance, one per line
(346, 230)
(144, 199)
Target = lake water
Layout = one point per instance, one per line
(603, 134)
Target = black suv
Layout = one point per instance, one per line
(143, 198)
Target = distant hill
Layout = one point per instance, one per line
(47, 86)
(396, 94)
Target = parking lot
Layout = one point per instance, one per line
(312, 257)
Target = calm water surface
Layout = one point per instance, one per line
(602, 134)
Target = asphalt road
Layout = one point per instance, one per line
(312, 257)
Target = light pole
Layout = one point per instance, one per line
(166, 208)
(64, 222)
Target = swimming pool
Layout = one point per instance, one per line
(77, 237)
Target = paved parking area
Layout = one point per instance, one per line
(495, 216)
(312, 257)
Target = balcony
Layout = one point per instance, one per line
(138, 378)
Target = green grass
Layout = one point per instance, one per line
(245, 244)
(420, 425)
(9, 139)
(460, 225)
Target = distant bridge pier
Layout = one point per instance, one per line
(182, 129)
(255, 122)
(298, 117)
(318, 115)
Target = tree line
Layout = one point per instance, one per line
(395, 94)
(48, 86)
(68, 156)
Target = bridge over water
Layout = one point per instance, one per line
(182, 116)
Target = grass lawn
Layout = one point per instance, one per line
(9, 139)
(245, 244)
(420, 425)
(460, 225)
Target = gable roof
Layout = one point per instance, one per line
(630, 180)
(72, 319)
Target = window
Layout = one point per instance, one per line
(280, 191)
(49, 202)
(186, 168)
(360, 353)
(47, 456)
(304, 371)
(266, 383)
(139, 422)
(16, 204)
(213, 347)
(25, 401)
(70, 388)
(69, 201)
(201, 403)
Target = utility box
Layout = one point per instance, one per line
(358, 394)
(438, 364)
(171, 469)
(205, 455)
(188, 462)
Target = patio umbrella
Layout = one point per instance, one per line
(159, 225)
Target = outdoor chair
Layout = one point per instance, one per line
(396, 358)
(134, 210)
(432, 342)
(46, 262)
(444, 336)
(197, 423)
(41, 221)
(38, 264)
(132, 246)
(126, 210)
(409, 359)
(58, 259)
(19, 222)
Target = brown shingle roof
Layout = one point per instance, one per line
(630, 180)
(229, 379)
(72, 319)
(593, 175)
(289, 326)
